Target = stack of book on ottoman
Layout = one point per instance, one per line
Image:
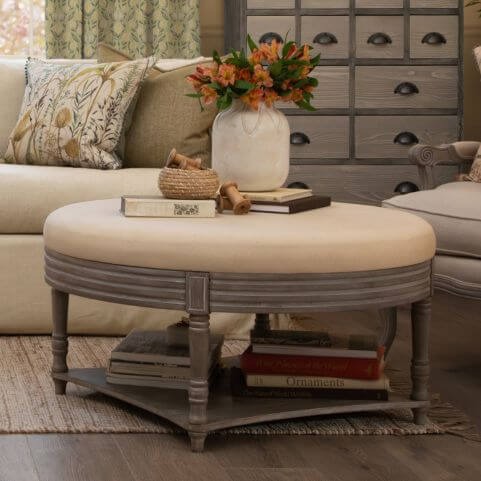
(157, 358)
(306, 364)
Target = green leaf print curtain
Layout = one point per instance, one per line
(140, 28)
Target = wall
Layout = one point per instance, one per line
(212, 31)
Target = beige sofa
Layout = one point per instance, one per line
(454, 211)
(27, 195)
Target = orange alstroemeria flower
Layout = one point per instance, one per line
(297, 95)
(305, 53)
(226, 75)
(253, 98)
(244, 74)
(262, 77)
(271, 51)
(256, 57)
(270, 96)
(291, 51)
(207, 73)
(195, 81)
(209, 95)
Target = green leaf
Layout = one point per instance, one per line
(216, 57)
(276, 69)
(216, 86)
(287, 47)
(244, 85)
(251, 43)
(224, 102)
(302, 104)
(315, 60)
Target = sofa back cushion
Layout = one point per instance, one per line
(12, 88)
(164, 117)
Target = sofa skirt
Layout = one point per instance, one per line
(25, 301)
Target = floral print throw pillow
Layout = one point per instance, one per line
(74, 115)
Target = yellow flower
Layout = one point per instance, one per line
(63, 118)
(72, 148)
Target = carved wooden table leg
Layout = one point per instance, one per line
(389, 319)
(59, 337)
(420, 319)
(199, 384)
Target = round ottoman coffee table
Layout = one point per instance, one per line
(343, 257)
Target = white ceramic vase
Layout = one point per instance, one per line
(251, 147)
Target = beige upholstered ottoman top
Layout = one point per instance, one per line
(340, 238)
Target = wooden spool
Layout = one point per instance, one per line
(232, 199)
(179, 161)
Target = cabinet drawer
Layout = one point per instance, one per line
(434, 36)
(407, 87)
(271, 3)
(392, 137)
(319, 137)
(324, 3)
(380, 37)
(434, 4)
(328, 35)
(362, 184)
(379, 3)
(333, 89)
(263, 28)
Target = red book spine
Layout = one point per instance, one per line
(312, 366)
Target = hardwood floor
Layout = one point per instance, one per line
(456, 374)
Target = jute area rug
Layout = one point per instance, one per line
(28, 403)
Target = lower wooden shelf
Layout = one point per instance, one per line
(224, 410)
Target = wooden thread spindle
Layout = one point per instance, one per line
(179, 161)
(240, 204)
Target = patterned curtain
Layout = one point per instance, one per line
(140, 28)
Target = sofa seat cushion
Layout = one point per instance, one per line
(340, 238)
(454, 211)
(29, 193)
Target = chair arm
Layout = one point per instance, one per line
(428, 156)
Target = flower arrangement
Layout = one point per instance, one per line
(272, 72)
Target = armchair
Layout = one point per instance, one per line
(454, 211)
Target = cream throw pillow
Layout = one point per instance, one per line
(74, 115)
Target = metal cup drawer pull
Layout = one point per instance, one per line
(406, 138)
(299, 138)
(325, 38)
(434, 38)
(379, 38)
(269, 37)
(406, 88)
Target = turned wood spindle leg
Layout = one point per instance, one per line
(262, 323)
(420, 320)
(389, 319)
(199, 384)
(59, 337)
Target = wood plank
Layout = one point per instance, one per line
(257, 26)
(328, 137)
(364, 184)
(391, 26)
(275, 474)
(92, 457)
(375, 135)
(446, 25)
(325, 4)
(312, 26)
(165, 458)
(16, 462)
(333, 89)
(437, 87)
(379, 3)
(271, 3)
(434, 3)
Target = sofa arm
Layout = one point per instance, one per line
(428, 156)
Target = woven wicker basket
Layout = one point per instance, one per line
(188, 184)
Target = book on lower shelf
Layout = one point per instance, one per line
(311, 364)
(158, 358)
(157, 206)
